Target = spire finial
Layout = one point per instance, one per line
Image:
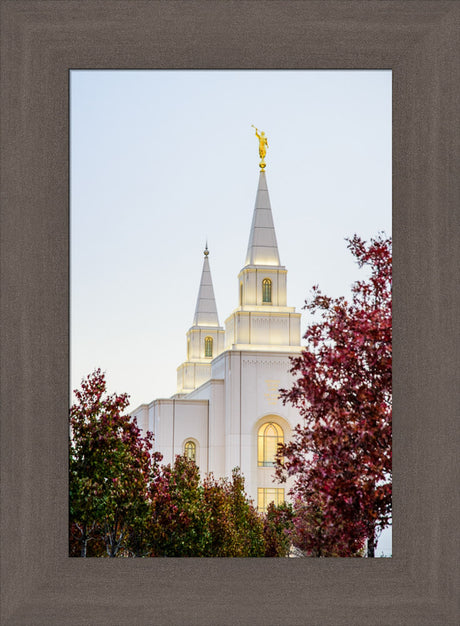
(263, 145)
(206, 251)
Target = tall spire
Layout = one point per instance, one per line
(262, 247)
(206, 310)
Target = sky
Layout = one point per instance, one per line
(162, 162)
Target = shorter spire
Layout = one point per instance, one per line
(206, 310)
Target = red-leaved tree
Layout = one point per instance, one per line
(340, 454)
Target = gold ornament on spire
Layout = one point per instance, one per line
(263, 145)
(206, 251)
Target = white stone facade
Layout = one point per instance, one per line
(226, 407)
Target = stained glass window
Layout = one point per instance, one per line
(265, 495)
(266, 290)
(190, 450)
(269, 436)
(208, 347)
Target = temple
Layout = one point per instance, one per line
(226, 412)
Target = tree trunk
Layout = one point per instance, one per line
(371, 544)
(113, 544)
(84, 541)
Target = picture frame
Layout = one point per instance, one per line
(41, 42)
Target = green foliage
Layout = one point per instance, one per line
(223, 534)
(278, 529)
(213, 518)
(179, 520)
(247, 522)
(124, 502)
(109, 464)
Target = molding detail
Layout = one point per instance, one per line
(266, 362)
(279, 321)
(261, 321)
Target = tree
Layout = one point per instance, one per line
(212, 518)
(278, 529)
(179, 521)
(245, 518)
(314, 537)
(223, 534)
(341, 454)
(124, 502)
(110, 466)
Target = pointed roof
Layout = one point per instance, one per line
(262, 246)
(206, 310)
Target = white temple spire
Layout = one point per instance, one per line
(206, 309)
(262, 246)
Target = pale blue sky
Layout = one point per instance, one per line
(163, 160)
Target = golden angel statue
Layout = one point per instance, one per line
(263, 145)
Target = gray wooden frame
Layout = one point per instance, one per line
(419, 42)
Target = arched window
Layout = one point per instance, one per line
(266, 290)
(268, 438)
(190, 450)
(241, 294)
(188, 349)
(208, 347)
